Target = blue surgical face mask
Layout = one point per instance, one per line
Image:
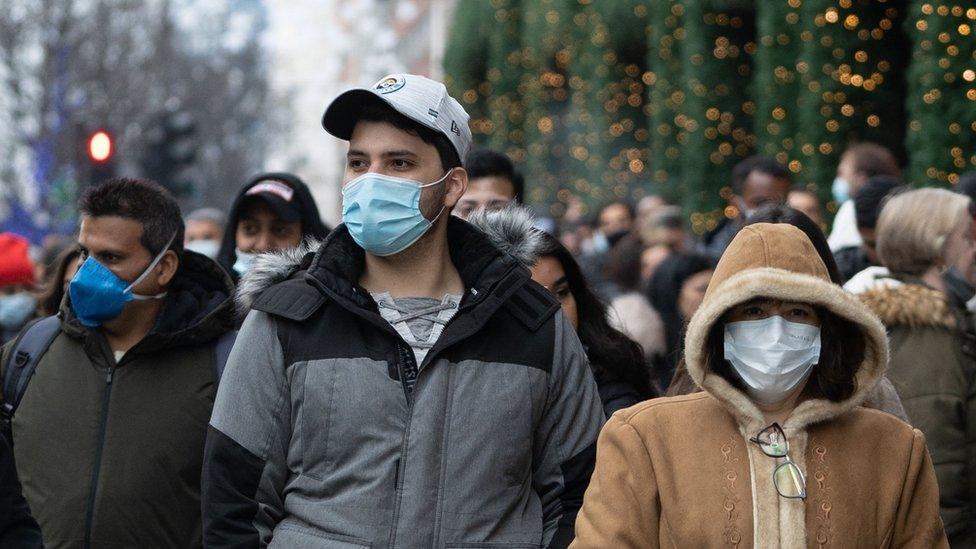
(245, 260)
(383, 213)
(98, 294)
(16, 310)
(841, 190)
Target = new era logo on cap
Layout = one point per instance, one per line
(421, 99)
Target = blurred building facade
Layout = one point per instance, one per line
(317, 49)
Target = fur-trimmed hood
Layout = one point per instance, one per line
(779, 261)
(512, 230)
(911, 306)
(269, 269)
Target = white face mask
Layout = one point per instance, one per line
(206, 247)
(772, 356)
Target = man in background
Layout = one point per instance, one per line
(868, 202)
(756, 181)
(804, 200)
(204, 229)
(109, 433)
(493, 183)
(859, 163)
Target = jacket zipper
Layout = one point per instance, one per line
(400, 462)
(89, 518)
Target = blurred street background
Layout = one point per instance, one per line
(593, 99)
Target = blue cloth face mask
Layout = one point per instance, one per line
(383, 213)
(98, 294)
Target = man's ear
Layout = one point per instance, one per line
(168, 266)
(456, 183)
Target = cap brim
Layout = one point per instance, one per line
(342, 114)
(287, 211)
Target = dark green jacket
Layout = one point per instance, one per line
(109, 454)
(933, 367)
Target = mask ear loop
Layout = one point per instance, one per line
(438, 182)
(155, 261)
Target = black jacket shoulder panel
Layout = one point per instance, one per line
(293, 299)
(532, 305)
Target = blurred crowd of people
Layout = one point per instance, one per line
(889, 291)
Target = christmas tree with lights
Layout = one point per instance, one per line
(622, 98)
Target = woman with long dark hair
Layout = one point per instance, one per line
(676, 291)
(617, 361)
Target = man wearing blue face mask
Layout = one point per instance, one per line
(860, 162)
(108, 415)
(407, 385)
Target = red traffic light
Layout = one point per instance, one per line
(100, 146)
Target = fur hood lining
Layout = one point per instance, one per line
(787, 285)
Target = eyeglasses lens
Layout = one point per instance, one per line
(789, 481)
(773, 442)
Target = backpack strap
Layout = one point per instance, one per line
(221, 351)
(25, 353)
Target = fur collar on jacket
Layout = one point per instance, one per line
(338, 257)
(269, 269)
(910, 306)
(512, 230)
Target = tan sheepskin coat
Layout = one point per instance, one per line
(681, 472)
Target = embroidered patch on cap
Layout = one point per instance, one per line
(390, 84)
(276, 188)
(455, 128)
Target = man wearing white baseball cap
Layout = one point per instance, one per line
(407, 385)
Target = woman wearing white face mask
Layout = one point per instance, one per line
(775, 451)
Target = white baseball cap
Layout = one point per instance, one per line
(418, 98)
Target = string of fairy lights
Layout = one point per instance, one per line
(621, 98)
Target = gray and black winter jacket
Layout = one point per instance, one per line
(315, 442)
